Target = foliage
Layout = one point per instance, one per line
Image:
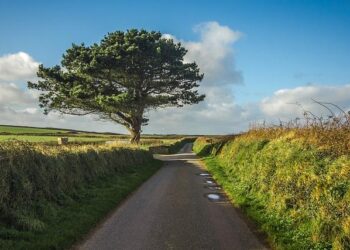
(299, 194)
(176, 147)
(35, 173)
(120, 78)
(78, 212)
(203, 146)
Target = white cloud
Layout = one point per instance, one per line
(20, 107)
(19, 66)
(10, 94)
(219, 113)
(282, 104)
(213, 53)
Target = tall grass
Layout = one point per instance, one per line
(330, 134)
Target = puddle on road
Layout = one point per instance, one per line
(215, 197)
(209, 180)
(204, 174)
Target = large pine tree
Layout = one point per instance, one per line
(119, 79)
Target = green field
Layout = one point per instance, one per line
(34, 134)
(37, 138)
(21, 130)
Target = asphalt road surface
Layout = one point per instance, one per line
(172, 211)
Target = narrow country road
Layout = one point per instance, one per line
(172, 211)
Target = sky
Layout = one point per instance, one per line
(259, 58)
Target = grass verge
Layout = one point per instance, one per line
(69, 221)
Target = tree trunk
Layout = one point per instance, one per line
(135, 136)
(135, 128)
(135, 131)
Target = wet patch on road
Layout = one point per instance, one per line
(216, 197)
(211, 185)
(209, 182)
(204, 174)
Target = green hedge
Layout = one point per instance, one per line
(33, 174)
(176, 147)
(298, 195)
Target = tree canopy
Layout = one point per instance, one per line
(120, 79)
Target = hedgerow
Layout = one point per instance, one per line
(295, 188)
(32, 175)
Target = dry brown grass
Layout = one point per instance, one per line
(330, 134)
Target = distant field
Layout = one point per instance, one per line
(34, 134)
(21, 130)
(38, 138)
(7, 129)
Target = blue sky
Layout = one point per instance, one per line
(284, 44)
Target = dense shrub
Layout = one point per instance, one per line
(297, 192)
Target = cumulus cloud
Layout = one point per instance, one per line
(20, 107)
(10, 94)
(214, 54)
(19, 66)
(289, 103)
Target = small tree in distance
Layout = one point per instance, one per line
(119, 79)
